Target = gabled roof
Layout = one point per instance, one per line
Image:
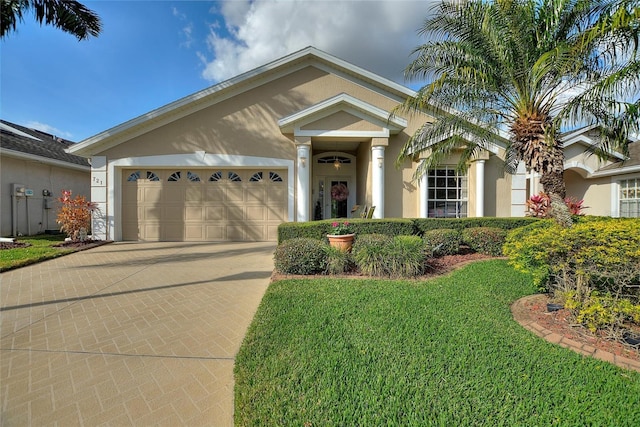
(22, 142)
(587, 136)
(342, 102)
(234, 86)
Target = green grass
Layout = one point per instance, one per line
(325, 352)
(41, 249)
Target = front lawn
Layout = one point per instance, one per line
(41, 249)
(440, 352)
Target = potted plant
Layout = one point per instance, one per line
(341, 236)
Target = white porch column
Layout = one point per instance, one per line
(303, 188)
(533, 187)
(377, 180)
(479, 188)
(424, 195)
(519, 191)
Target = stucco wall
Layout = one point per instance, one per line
(37, 177)
(497, 185)
(247, 124)
(596, 193)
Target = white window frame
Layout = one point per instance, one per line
(462, 192)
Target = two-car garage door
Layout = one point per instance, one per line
(203, 205)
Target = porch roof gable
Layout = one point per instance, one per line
(388, 123)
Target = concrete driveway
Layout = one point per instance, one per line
(128, 334)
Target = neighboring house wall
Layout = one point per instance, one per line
(38, 162)
(37, 177)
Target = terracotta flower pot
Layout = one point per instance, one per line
(343, 242)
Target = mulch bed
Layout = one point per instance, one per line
(87, 244)
(563, 323)
(13, 245)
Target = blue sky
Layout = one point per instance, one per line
(151, 53)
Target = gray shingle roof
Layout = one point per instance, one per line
(633, 160)
(30, 141)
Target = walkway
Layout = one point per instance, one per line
(128, 334)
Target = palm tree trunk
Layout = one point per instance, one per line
(553, 183)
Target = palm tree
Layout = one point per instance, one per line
(68, 15)
(529, 67)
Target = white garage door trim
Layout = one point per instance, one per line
(198, 159)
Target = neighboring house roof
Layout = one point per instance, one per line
(22, 142)
(589, 137)
(232, 87)
(628, 165)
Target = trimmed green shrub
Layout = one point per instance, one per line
(597, 311)
(338, 261)
(406, 257)
(320, 229)
(395, 226)
(593, 265)
(369, 253)
(423, 225)
(300, 256)
(486, 240)
(444, 241)
(384, 256)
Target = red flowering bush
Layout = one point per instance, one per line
(74, 216)
(540, 205)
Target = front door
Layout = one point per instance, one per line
(341, 179)
(337, 198)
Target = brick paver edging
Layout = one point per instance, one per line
(522, 315)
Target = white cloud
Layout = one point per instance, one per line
(43, 127)
(375, 35)
(187, 30)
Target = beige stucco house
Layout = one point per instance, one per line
(34, 169)
(233, 161)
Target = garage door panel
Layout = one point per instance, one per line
(225, 204)
(193, 193)
(214, 193)
(272, 233)
(151, 232)
(214, 213)
(172, 213)
(194, 232)
(131, 194)
(151, 195)
(276, 213)
(130, 230)
(214, 232)
(255, 231)
(235, 232)
(276, 194)
(193, 213)
(235, 213)
(173, 192)
(255, 194)
(256, 213)
(151, 213)
(235, 193)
